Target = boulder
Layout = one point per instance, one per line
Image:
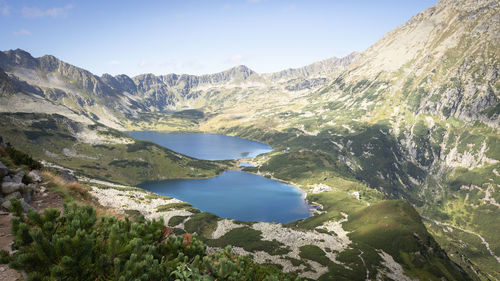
(6, 204)
(3, 170)
(7, 179)
(16, 195)
(19, 176)
(10, 187)
(26, 207)
(67, 176)
(27, 188)
(28, 192)
(35, 176)
(28, 196)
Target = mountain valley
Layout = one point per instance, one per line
(398, 145)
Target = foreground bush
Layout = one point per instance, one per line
(79, 245)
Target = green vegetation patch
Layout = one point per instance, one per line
(204, 224)
(175, 206)
(314, 253)
(176, 220)
(250, 240)
(396, 227)
(128, 164)
(20, 158)
(79, 245)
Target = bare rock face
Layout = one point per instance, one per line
(35, 176)
(19, 176)
(26, 207)
(16, 195)
(10, 187)
(67, 176)
(3, 170)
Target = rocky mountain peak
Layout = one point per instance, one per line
(17, 57)
(325, 67)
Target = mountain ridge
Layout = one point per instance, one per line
(415, 116)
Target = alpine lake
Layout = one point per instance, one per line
(233, 194)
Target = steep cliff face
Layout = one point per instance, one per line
(444, 61)
(7, 86)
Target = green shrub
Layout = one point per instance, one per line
(21, 158)
(79, 245)
(313, 252)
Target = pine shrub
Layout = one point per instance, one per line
(79, 245)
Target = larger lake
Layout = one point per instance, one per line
(233, 194)
(238, 195)
(205, 146)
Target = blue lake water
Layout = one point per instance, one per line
(205, 146)
(238, 195)
(233, 194)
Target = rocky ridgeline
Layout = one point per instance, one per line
(17, 184)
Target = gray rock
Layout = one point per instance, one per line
(16, 195)
(6, 204)
(28, 196)
(9, 187)
(3, 170)
(67, 176)
(19, 176)
(28, 192)
(35, 176)
(27, 188)
(26, 206)
(7, 179)
(17, 179)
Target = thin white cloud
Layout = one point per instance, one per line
(193, 64)
(22, 31)
(4, 8)
(142, 63)
(234, 59)
(188, 66)
(56, 12)
(114, 62)
(254, 1)
(170, 64)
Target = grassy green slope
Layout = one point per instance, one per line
(55, 138)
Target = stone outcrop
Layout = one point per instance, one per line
(15, 184)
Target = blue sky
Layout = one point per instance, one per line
(197, 37)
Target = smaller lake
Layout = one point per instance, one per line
(238, 195)
(205, 146)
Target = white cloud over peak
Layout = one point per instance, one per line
(142, 63)
(236, 58)
(22, 31)
(56, 12)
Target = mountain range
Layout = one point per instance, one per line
(414, 117)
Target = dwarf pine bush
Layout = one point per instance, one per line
(79, 245)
